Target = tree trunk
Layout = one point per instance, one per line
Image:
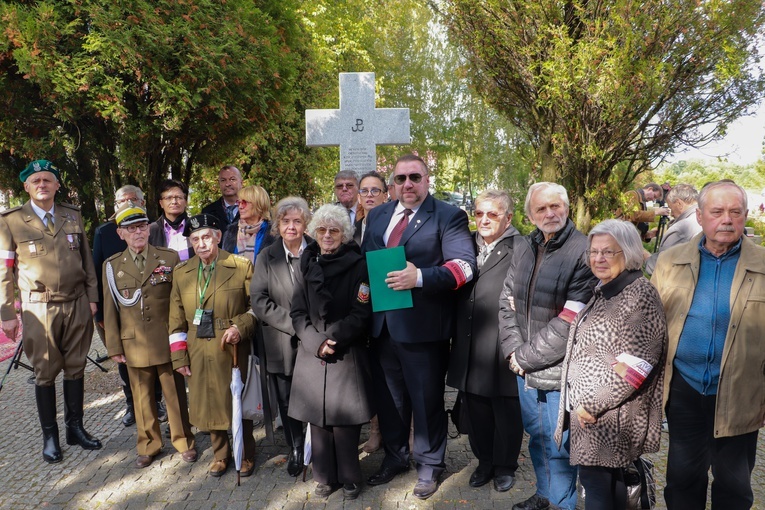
(582, 215)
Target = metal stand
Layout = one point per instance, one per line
(660, 233)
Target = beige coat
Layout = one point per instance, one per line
(229, 297)
(140, 331)
(740, 405)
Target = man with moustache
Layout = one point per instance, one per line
(46, 258)
(226, 208)
(210, 316)
(547, 284)
(138, 282)
(713, 290)
(410, 349)
(347, 193)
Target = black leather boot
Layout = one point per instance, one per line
(295, 459)
(46, 409)
(74, 393)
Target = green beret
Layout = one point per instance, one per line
(41, 165)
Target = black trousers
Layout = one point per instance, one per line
(293, 429)
(693, 449)
(335, 454)
(409, 383)
(495, 431)
(604, 488)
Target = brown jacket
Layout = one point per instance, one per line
(139, 331)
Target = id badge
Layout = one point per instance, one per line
(198, 317)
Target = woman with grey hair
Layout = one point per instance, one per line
(331, 387)
(277, 269)
(614, 366)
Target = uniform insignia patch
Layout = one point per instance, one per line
(125, 293)
(194, 222)
(120, 274)
(363, 295)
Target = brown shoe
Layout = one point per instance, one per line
(218, 467)
(375, 439)
(248, 466)
(189, 455)
(144, 461)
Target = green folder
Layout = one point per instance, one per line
(379, 264)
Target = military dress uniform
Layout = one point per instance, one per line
(228, 296)
(137, 328)
(53, 271)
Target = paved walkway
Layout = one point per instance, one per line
(107, 478)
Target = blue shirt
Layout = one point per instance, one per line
(700, 348)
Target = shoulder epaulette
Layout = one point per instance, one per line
(70, 206)
(9, 211)
(181, 264)
(115, 256)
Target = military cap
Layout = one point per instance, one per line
(129, 214)
(41, 165)
(201, 221)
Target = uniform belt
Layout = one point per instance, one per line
(38, 297)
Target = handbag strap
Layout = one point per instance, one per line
(645, 503)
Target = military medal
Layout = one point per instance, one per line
(153, 280)
(70, 238)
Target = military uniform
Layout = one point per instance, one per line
(139, 331)
(228, 296)
(56, 281)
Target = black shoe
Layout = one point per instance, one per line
(161, 412)
(386, 474)
(480, 478)
(74, 394)
(425, 488)
(295, 462)
(128, 419)
(535, 502)
(351, 490)
(46, 409)
(503, 483)
(324, 490)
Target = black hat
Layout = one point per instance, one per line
(201, 221)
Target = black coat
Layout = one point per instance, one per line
(332, 302)
(218, 210)
(271, 296)
(476, 364)
(157, 235)
(105, 244)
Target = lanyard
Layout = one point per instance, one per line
(200, 289)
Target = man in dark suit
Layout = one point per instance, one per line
(476, 367)
(226, 208)
(410, 349)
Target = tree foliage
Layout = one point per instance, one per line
(602, 89)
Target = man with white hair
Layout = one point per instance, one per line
(210, 317)
(547, 284)
(681, 200)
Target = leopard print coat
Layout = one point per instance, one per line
(624, 316)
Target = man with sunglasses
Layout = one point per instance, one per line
(410, 349)
(347, 193)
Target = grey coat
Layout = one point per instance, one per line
(681, 230)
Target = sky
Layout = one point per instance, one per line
(743, 143)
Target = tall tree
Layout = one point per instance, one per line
(603, 89)
(140, 90)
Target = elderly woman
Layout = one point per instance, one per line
(251, 234)
(613, 370)
(330, 314)
(372, 192)
(277, 270)
(171, 230)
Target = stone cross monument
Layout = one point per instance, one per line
(357, 127)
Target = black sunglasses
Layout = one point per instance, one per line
(401, 178)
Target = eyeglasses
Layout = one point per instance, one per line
(608, 254)
(345, 185)
(243, 202)
(401, 178)
(122, 200)
(494, 216)
(367, 191)
(173, 198)
(143, 227)
(322, 231)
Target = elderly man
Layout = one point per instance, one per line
(490, 389)
(47, 259)
(226, 208)
(347, 193)
(106, 243)
(712, 288)
(547, 283)
(410, 350)
(138, 282)
(682, 203)
(210, 316)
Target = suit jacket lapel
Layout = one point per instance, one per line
(418, 220)
(279, 266)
